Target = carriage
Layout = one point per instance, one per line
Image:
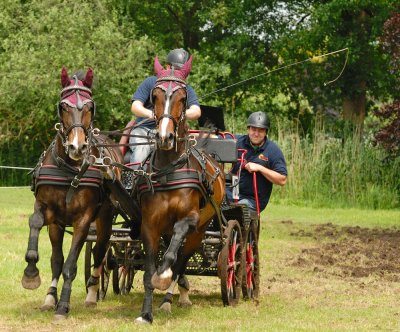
(229, 249)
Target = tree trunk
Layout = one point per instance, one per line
(354, 108)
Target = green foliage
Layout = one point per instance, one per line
(326, 171)
(334, 25)
(38, 44)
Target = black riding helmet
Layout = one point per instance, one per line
(177, 57)
(258, 120)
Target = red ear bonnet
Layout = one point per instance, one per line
(88, 81)
(64, 77)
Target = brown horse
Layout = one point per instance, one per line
(71, 193)
(185, 191)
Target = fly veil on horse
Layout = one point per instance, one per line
(71, 193)
(183, 193)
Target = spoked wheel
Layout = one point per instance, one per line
(251, 272)
(123, 279)
(105, 271)
(230, 264)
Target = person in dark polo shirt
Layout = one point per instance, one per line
(264, 158)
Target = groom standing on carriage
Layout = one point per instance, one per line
(142, 107)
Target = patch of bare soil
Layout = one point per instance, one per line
(352, 251)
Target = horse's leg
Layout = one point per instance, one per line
(150, 243)
(162, 279)
(183, 286)
(56, 234)
(193, 241)
(167, 299)
(103, 232)
(31, 278)
(81, 230)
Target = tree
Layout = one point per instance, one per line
(38, 38)
(334, 25)
(389, 135)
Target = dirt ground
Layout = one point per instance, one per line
(351, 252)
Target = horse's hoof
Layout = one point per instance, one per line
(49, 303)
(166, 307)
(185, 304)
(58, 319)
(90, 304)
(162, 281)
(141, 320)
(31, 282)
(47, 307)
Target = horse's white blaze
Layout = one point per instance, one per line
(166, 274)
(75, 141)
(165, 121)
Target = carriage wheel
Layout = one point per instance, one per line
(230, 264)
(122, 279)
(251, 272)
(105, 271)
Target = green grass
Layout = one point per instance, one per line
(292, 299)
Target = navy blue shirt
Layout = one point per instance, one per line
(142, 94)
(268, 155)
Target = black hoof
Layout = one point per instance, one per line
(62, 309)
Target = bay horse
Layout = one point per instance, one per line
(69, 192)
(185, 190)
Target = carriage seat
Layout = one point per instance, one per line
(222, 150)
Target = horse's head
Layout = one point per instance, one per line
(76, 111)
(169, 98)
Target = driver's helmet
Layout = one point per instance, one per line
(177, 57)
(258, 120)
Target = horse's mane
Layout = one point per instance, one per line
(80, 74)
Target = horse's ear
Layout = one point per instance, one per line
(157, 66)
(88, 81)
(64, 77)
(187, 67)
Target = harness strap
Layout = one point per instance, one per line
(75, 182)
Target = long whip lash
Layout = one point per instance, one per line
(287, 66)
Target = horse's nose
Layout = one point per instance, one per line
(164, 138)
(78, 148)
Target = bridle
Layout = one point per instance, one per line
(83, 96)
(169, 85)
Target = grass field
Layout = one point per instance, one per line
(321, 270)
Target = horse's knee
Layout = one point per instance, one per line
(36, 220)
(69, 271)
